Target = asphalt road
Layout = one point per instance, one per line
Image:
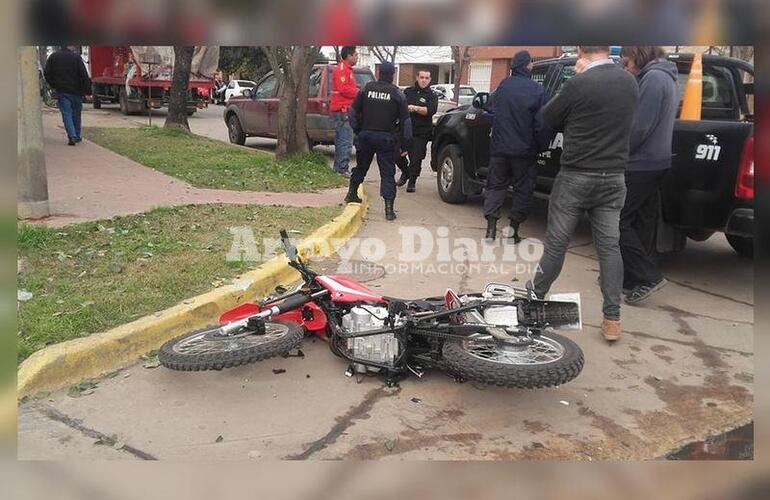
(683, 370)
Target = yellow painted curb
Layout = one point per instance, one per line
(76, 360)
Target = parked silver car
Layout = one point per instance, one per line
(446, 91)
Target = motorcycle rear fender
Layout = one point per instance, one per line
(315, 322)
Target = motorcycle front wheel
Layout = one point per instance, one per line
(209, 349)
(549, 361)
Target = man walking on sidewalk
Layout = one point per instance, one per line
(422, 104)
(344, 91)
(595, 110)
(518, 135)
(649, 161)
(66, 73)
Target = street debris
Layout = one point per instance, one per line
(151, 360)
(565, 403)
(298, 354)
(23, 295)
(219, 439)
(278, 371)
(82, 389)
(416, 400)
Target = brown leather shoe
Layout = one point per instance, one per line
(611, 329)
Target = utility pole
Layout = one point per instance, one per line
(32, 179)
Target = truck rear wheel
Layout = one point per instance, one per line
(235, 131)
(450, 174)
(123, 101)
(741, 244)
(97, 99)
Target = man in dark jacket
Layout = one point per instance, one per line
(379, 117)
(595, 109)
(66, 73)
(518, 135)
(648, 162)
(422, 104)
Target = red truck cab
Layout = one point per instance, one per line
(113, 69)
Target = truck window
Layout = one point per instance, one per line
(567, 72)
(315, 82)
(363, 78)
(538, 74)
(718, 100)
(265, 89)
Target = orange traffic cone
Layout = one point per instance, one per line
(693, 92)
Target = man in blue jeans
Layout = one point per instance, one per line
(344, 91)
(66, 73)
(595, 110)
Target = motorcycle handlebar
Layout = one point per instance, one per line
(291, 250)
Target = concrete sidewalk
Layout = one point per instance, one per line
(88, 182)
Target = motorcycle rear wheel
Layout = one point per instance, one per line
(206, 349)
(551, 360)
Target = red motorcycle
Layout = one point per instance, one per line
(501, 336)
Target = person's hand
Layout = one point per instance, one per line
(410, 108)
(580, 65)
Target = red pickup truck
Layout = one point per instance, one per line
(255, 114)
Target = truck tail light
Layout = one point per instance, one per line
(744, 187)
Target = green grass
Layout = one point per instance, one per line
(208, 163)
(92, 276)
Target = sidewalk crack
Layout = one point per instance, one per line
(57, 416)
(344, 422)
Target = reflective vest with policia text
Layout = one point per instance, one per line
(381, 102)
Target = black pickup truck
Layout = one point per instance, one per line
(709, 189)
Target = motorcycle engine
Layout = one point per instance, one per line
(383, 349)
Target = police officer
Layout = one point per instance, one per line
(518, 135)
(422, 103)
(379, 117)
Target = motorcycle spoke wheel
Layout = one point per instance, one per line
(209, 349)
(542, 350)
(550, 360)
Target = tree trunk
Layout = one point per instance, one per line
(177, 105)
(293, 68)
(461, 55)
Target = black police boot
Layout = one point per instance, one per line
(389, 213)
(513, 233)
(411, 185)
(352, 196)
(491, 228)
(402, 180)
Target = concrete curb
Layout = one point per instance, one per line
(76, 360)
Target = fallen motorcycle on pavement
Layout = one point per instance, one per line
(501, 336)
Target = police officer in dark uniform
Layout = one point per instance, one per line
(379, 117)
(422, 104)
(518, 135)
